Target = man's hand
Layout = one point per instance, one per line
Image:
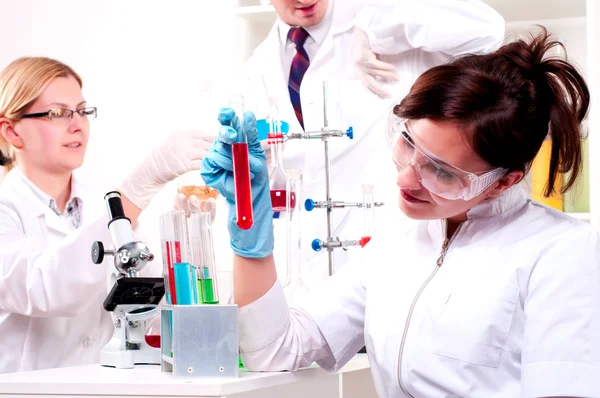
(370, 69)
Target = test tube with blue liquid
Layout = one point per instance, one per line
(203, 257)
(179, 252)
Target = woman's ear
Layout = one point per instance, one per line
(512, 178)
(8, 132)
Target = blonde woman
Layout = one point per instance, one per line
(51, 293)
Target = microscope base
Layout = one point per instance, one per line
(129, 358)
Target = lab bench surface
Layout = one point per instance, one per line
(92, 381)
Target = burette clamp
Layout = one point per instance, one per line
(319, 135)
(375, 204)
(273, 138)
(317, 244)
(310, 205)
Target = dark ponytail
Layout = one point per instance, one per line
(5, 160)
(509, 101)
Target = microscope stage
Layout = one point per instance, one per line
(135, 291)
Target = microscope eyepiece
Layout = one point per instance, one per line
(115, 206)
(130, 255)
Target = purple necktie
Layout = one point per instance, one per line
(300, 64)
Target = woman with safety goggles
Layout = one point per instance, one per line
(488, 293)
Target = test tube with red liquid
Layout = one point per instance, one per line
(166, 236)
(241, 170)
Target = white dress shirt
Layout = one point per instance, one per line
(317, 34)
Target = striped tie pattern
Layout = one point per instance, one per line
(300, 64)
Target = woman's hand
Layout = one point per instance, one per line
(217, 172)
(182, 152)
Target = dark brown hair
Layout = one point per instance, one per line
(4, 160)
(509, 101)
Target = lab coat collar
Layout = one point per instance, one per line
(38, 202)
(342, 17)
(37, 193)
(76, 188)
(35, 200)
(318, 32)
(508, 202)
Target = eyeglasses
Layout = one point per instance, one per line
(437, 176)
(64, 114)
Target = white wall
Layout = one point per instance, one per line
(518, 10)
(142, 62)
(570, 31)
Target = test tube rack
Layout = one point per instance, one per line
(330, 243)
(202, 342)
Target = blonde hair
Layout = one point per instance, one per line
(21, 83)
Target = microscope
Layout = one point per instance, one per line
(132, 300)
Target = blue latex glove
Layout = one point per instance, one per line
(217, 172)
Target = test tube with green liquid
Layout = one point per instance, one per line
(203, 257)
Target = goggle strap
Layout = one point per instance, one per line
(482, 182)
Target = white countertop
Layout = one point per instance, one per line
(149, 380)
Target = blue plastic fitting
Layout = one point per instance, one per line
(309, 204)
(350, 133)
(316, 245)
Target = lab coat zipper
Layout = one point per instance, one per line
(439, 262)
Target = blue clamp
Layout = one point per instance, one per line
(316, 245)
(350, 133)
(309, 204)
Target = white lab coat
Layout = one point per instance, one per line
(513, 311)
(412, 35)
(51, 294)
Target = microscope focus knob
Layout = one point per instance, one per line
(124, 256)
(97, 252)
(145, 255)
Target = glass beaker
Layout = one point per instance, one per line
(195, 195)
(282, 198)
(152, 332)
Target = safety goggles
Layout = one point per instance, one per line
(437, 176)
